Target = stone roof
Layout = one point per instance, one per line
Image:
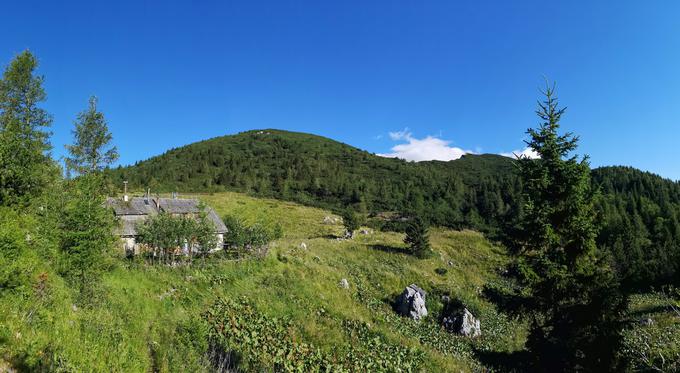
(138, 209)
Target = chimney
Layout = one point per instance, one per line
(125, 196)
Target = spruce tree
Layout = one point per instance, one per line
(575, 303)
(24, 140)
(92, 150)
(417, 237)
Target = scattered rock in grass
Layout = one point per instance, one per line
(458, 319)
(344, 283)
(446, 299)
(411, 302)
(74, 308)
(303, 246)
(328, 220)
(646, 321)
(450, 263)
(365, 231)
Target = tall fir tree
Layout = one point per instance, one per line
(92, 149)
(575, 307)
(24, 139)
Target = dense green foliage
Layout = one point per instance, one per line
(574, 305)
(640, 219)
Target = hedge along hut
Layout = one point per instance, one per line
(134, 211)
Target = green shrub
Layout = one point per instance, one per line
(242, 239)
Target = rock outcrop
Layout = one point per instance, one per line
(411, 302)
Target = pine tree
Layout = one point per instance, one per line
(92, 150)
(417, 237)
(575, 303)
(24, 142)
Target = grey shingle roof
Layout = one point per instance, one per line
(219, 224)
(137, 209)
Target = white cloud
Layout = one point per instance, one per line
(426, 149)
(527, 152)
(401, 135)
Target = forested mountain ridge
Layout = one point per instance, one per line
(638, 211)
(322, 172)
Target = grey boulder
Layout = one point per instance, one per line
(411, 302)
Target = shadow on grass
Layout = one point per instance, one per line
(517, 361)
(505, 301)
(390, 249)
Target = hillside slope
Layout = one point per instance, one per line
(286, 310)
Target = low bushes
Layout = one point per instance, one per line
(260, 343)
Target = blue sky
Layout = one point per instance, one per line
(441, 76)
